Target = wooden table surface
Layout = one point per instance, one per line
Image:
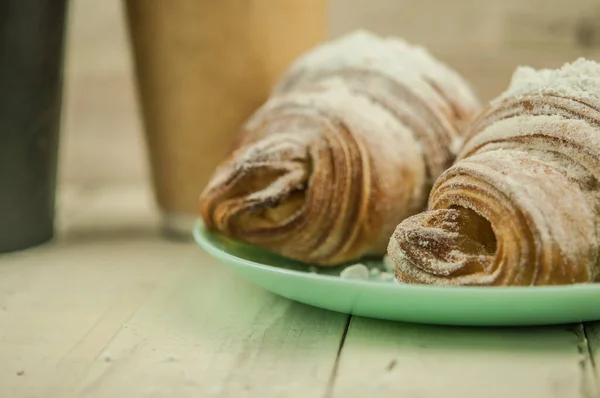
(112, 309)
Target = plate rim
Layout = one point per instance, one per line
(199, 230)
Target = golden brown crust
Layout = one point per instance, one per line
(315, 193)
(528, 182)
(338, 156)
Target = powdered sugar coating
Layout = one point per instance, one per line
(393, 57)
(347, 146)
(359, 169)
(578, 79)
(521, 206)
(429, 97)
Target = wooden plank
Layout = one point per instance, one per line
(389, 359)
(106, 212)
(219, 337)
(58, 296)
(485, 40)
(489, 70)
(464, 23)
(102, 140)
(592, 333)
(112, 309)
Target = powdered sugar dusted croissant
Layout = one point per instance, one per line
(347, 146)
(426, 95)
(521, 206)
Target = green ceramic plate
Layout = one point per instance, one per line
(473, 306)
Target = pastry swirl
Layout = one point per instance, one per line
(313, 191)
(347, 146)
(521, 205)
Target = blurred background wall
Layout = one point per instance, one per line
(485, 40)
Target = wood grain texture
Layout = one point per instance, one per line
(208, 334)
(592, 333)
(464, 23)
(389, 359)
(112, 309)
(485, 40)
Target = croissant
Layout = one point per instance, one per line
(346, 147)
(521, 205)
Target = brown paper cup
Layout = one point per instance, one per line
(203, 66)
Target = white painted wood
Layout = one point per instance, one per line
(485, 40)
(387, 359)
(111, 309)
(593, 338)
(461, 24)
